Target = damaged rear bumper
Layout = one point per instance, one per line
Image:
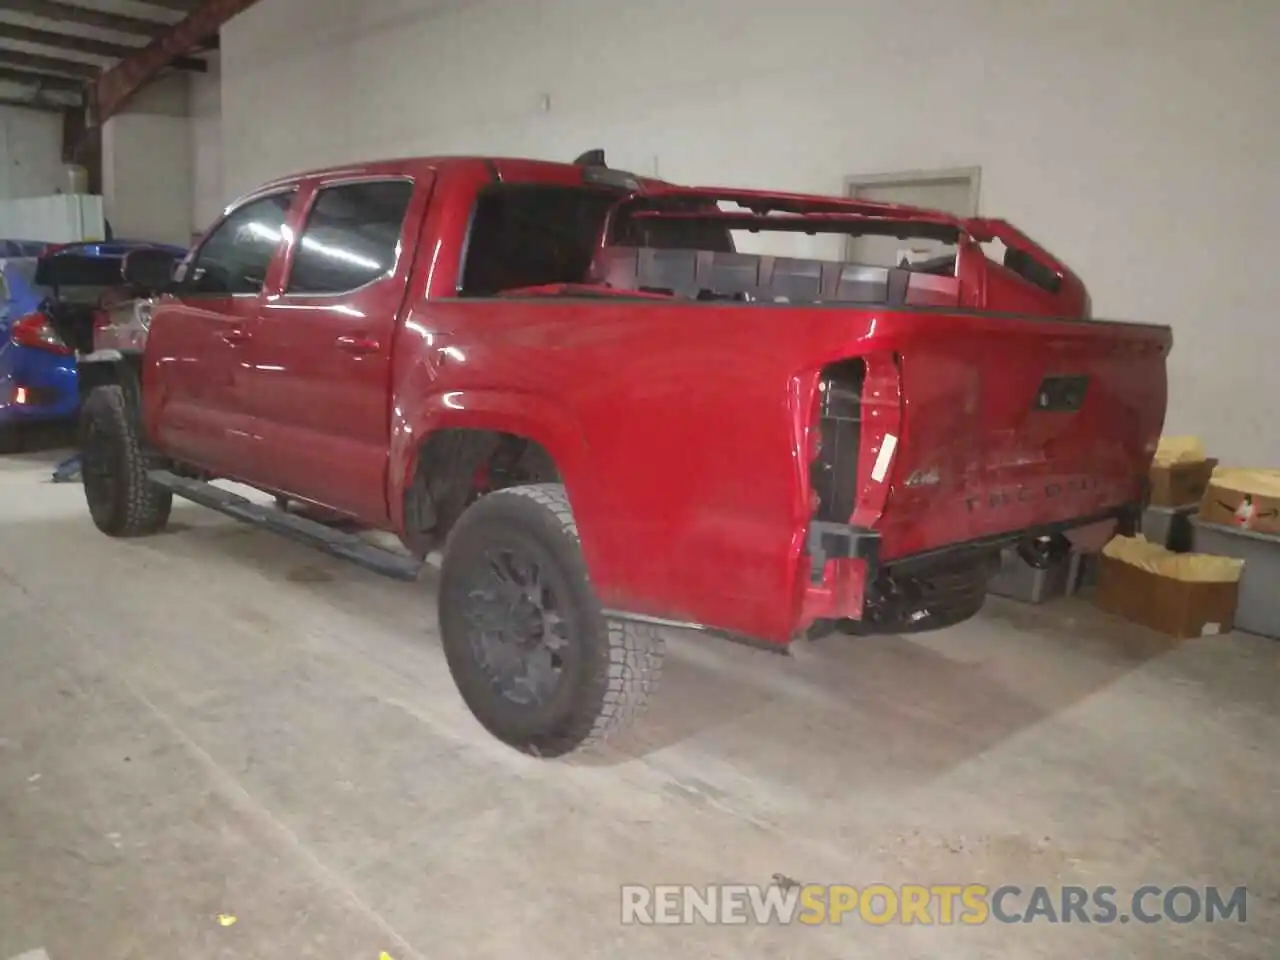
(847, 573)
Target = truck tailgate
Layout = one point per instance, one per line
(1010, 423)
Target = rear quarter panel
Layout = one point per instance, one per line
(674, 428)
(678, 427)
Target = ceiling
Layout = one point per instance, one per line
(51, 49)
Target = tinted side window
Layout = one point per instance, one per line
(528, 235)
(235, 257)
(351, 237)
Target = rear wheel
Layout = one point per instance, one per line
(114, 463)
(533, 655)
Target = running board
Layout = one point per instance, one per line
(346, 546)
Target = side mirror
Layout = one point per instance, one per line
(150, 269)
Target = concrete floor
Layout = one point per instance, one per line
(217, 721)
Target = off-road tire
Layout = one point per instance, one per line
(612, 665)
(114, 463)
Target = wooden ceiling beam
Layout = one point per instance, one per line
(61, 12)
(41, 80)
(181, 6)
(118, 85)
(45, 106)
(89, 45)
(43, 64)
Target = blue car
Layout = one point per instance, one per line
(21, 248)
(37, 370)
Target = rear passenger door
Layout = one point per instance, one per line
(321, 366)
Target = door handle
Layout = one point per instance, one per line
(358, 344)
(236, 335)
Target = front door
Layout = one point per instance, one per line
(195, 398)
(321, 359)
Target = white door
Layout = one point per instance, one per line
(952, 194)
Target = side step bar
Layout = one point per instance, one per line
(347, 546)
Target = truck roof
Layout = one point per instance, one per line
(408, 166)
(764, 201)
(767, 209)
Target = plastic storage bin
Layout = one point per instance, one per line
(1258, 609)
(1169, 526)
(1018, 580)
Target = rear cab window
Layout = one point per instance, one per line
(537, 234)
(532, 235)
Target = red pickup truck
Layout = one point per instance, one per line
(614, 416)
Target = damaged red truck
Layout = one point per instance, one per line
(613, 417)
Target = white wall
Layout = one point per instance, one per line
(30, 154)
(147, 165)
(207, 200)
(1136, 139)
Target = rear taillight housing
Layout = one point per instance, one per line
(834, 444)
(34, 330)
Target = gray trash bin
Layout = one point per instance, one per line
(1018, 580)
(1258, 609)
(1169, 526)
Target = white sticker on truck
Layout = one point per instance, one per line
(885, 458)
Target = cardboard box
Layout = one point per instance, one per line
(1178, 484)
(1244, 499)
(1179, 608)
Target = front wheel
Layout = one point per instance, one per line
(533, 655)
(114, 462)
